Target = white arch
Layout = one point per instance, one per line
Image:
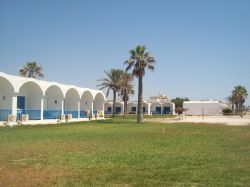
(154, 106)
(96, 92)
(53, 102)
(167, 108)
(72, 102)
(86, 103)
(98, 103)
(33, 95)
(6, 94)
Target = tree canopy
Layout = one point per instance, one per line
(178, 101)
(31, 69)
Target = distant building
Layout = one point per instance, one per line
(204, 107)
(155, 105)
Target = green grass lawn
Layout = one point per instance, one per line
(119, 152)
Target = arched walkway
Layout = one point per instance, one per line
(98, 104)
(72, 103)
(6, 94)
(53, 103)
(156, 108)
(167, 108)
(30, 100)
(86, 104)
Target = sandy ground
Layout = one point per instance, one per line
(228, 120)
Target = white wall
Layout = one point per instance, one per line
(153, 107)
(197, 108)
(146, 106)
(130, 105)
(106, 105)
(6, 93)
(53, 99)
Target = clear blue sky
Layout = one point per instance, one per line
(202, 47)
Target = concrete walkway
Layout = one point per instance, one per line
(48, 121)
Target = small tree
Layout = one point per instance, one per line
(178, 101)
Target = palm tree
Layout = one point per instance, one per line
(139, 60)
(32, 69)
(112, 82)
(239, 95)
(126, 89)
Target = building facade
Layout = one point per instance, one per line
(155, 105)
(41, 100)
(204, 107)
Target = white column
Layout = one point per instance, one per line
(92, 108)
(41, 114)
(149, 112)
(103, 109)
(62, 107)
(123, 108)
(14, 105)
(78, 107)
(173, 108)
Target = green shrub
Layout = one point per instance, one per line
(226, 111)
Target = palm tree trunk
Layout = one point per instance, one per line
(241, 109)
(238, 108)
(114, 99)
(139, 107)
(125, 107)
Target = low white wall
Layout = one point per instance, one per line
(199, 108)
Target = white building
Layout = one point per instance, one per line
(45, 100)
(108, 107)
(204, 107)
(155, 105)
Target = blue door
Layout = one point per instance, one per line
(166, 110)
(109, 110)
(21, 102)
(20, 106)
(158, 110)
(118, 110)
